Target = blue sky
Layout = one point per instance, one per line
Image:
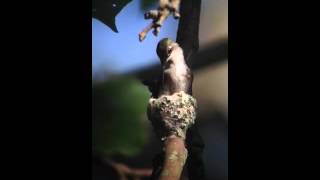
(122, 51)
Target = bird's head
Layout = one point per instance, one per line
(165, 47)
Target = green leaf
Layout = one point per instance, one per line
(119, 108)
(107, 10)
(145, 4)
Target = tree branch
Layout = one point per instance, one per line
(188, 38)
(175, 158)
(188, 29)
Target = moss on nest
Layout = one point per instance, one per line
(172, 114)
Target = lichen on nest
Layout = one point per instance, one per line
(172, 114)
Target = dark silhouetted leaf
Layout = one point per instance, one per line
(107, 10)
(145, 4)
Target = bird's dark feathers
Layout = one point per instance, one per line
(153, 86)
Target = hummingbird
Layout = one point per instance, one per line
(175, 74)
(175, 77)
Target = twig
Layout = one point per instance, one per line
(166, 7)
(125, 171)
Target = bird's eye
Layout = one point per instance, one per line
(169, 50)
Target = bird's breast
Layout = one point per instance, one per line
(181, 69)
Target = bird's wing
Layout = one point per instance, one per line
(154, 86)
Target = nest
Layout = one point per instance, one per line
(172, 114)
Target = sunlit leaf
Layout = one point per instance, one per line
(119, 108)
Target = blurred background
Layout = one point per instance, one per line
(122, 136)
